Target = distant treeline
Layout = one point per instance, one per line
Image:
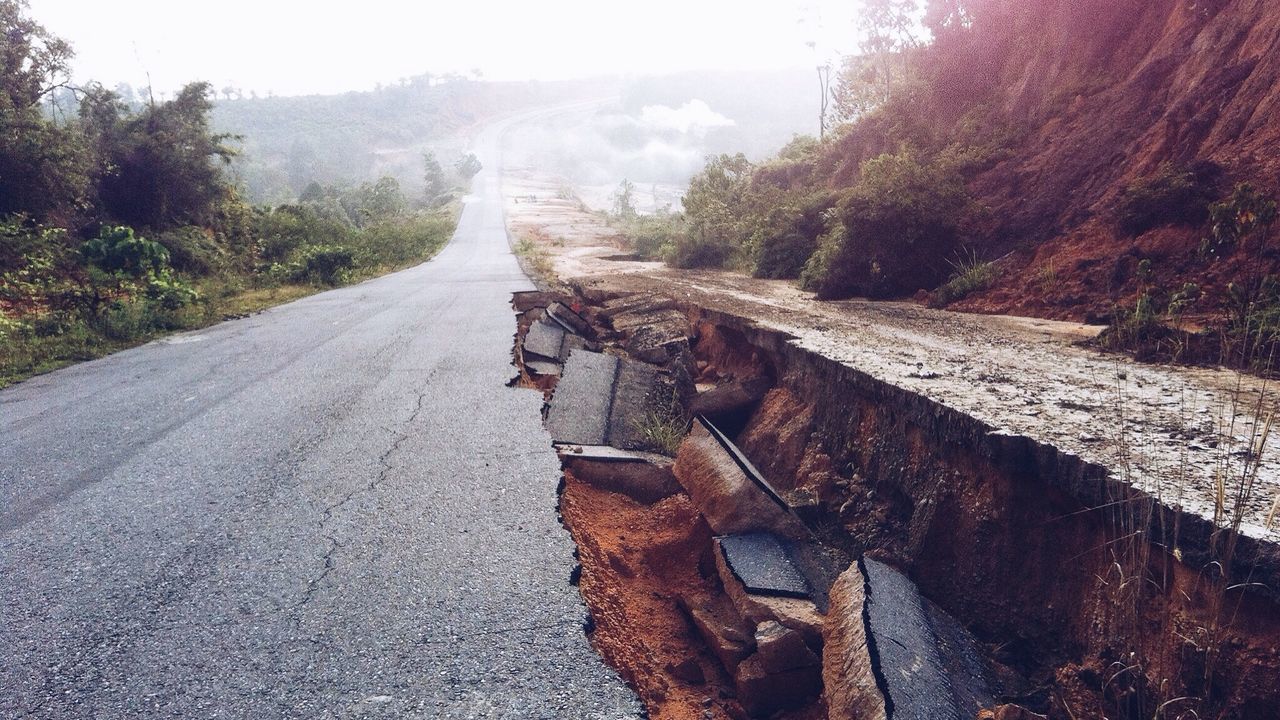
(290, 142)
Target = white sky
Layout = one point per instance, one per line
(293, 47)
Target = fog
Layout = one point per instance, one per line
(691, 79)
(288, 47)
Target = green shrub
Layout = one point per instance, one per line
(1172, 196)
(691, 251)
(118, 250)
(716, 213)
(326, 264)
(791, 237)
(654, 237)
(193, 250)
(288, 229)
(396, 243)
(1237, 218)
(892, 233)
(971, 275)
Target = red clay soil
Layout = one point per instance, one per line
(636, 560)
(1095, 94)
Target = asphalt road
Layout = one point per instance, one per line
(333, 509)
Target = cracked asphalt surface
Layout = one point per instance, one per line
(333, 509)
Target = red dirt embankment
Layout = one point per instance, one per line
(1097, 94)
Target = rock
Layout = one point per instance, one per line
(645, 481)
(727, 642)
(687, 670)
(731, 399)
(657, 344)
(763, 693)
(780, 648)
(732, 502)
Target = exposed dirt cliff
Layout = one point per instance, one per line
(1096, 95)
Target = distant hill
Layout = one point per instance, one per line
(357, 137)
(288, 142)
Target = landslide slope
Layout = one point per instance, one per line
(1088, 97)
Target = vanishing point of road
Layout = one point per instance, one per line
(332, 509)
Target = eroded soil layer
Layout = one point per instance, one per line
(1090, 598)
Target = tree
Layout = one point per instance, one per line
(468, 166)
(42, 164)
(894, 232)
(160, 163)
(624, 201)
(870, 79)
(377, 202)
(33, 61)
(713, 207)
(436, 186)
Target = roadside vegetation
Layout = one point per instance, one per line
(878, 207)
(119, 223)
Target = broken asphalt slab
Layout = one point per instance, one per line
(602, 400)
(927, 665)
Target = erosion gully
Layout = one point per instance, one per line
(1063, 579)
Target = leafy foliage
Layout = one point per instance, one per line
(118, 250)
(892, 232)
(716, 227)
(1245, 213)
(468, 166)
(971, 275)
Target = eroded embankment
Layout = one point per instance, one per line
(1084, 597)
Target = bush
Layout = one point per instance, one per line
(654, 237)
(193, 250)
(118, 250)
(971, 275)
(692, 251)
(1240, 216)
(400, 242)
(892, 233)
(327, 264)
(1172, 196)
(791, 239)
(288, 229)
(715, 208)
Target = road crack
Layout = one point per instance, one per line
(313, 585)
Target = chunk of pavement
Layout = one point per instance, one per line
(722, 632)
(781, 648)
(848, 671)
(543, 367)
(728, 490)
(1010, 712)
(643, 477)
(731, 399)
(580, 408)
(761, 562)
(543, 340)
(638, 394)
(636, 303)
(571, 320)
(657, 345)
(930, 664)
(798, 614)
(763, 693)
(670, 322)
